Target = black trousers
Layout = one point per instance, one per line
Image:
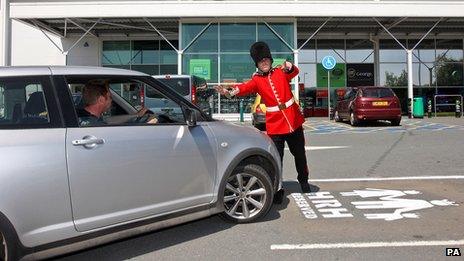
(296, 144)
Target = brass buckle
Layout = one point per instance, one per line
(282, 106)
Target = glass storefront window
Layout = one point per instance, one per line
(424, 52)
(167, 54)
(393, 74)
(425, 73)
(308, 53)
(307, 74)
(359, 51)
(449, 74)
(145, 52)
(391, 51)
(237, 37)
(116, 52)
(236, 67)
(275, 44)
(206, 43)
(149, 56)
(335, 48)
(148, 69)
(449, 50)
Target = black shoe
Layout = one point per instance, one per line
(305, 188)
(279, 197)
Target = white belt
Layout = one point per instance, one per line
(281, 106)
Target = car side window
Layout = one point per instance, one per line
(22, 102)
(127, 105)
(347, 95)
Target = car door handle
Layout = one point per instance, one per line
(88, 141)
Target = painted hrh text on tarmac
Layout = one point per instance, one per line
(381, 204)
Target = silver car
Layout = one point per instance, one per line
(65, 185)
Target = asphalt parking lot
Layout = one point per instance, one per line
(389, 193)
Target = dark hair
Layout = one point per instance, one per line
(94, 89)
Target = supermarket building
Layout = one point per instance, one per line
(416, 47)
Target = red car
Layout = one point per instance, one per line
(368, 103)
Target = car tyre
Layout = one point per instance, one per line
(395, 122)
(247, 194)
(353, 120)
(7, 250)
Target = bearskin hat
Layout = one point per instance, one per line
(260, 50)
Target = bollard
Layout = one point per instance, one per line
(409, 108)
(241, 110)
(458, 108)
(429, 108)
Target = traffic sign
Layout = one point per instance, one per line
(329, 62)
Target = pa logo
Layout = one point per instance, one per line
(453, 251)
(391, 204)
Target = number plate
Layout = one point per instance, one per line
(380, 103)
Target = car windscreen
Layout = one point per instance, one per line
(377, 93)
(180, 85)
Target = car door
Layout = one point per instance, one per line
(130, 170)
(33, 180)
(343, 105)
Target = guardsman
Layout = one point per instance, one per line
(283, 116)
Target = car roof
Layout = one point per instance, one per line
(370, 87)
(166, 76)
(64, 70)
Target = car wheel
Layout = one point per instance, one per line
(353, 120)
(395, 122)
(337, 117)
(247, 194)
(3, 248)
(7, 252)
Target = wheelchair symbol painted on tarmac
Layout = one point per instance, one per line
(329, 62)
(391, 199)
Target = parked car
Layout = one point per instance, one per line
(65, 187)
(191, 87)
(368, 103)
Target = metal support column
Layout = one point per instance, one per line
(410, 87)
(375, 42)
(5, 33)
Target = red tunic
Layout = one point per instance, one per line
(274, 89)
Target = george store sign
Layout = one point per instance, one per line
(360, 74)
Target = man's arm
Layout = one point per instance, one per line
(290, 70)
(238, 90)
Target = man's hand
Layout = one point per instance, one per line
(286, 66)
(221, 90)
(152, 119)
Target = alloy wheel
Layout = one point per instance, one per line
(3, 248)
(245, 196)
(353, 121)
(336, 117)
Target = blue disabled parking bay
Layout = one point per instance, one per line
(318, 126)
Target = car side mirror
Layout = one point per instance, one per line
(191, 117)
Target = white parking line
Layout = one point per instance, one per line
(389, 178)
(322, 147)
(366, 245)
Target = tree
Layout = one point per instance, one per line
(449, 72)
(393, 81)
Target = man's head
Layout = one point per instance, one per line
(261, 54)
(97, 97)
